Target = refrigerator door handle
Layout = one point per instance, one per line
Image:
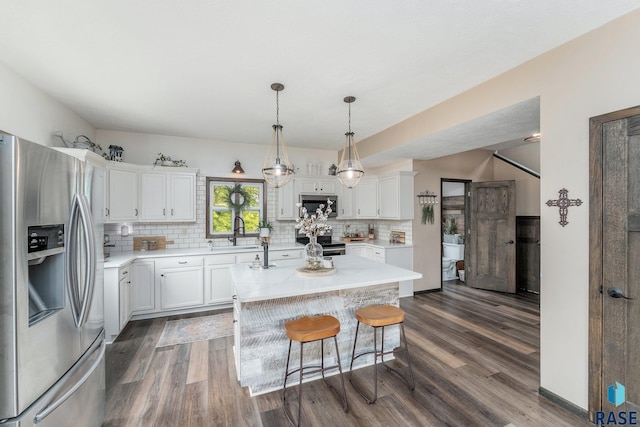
(90, 277)
(71, 261)
(49, 407)
(80, 212)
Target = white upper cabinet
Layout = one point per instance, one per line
(181, 197)
(151, 194)
(286, 202)
(346, 201)
(396, 195)
(317, 185)
(123, 194)
(366, 198)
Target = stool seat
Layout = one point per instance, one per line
(380, 315)
(312, 328)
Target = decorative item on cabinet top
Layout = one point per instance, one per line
(82, 141)
(164, 160)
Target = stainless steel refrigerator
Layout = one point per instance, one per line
(52, 369)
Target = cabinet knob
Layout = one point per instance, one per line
(162, 275)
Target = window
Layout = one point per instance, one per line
(235, 206)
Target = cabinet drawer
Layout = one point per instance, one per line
(124, 272)
(219, 259)
(276, 255)
(379, 255)
(180, 262)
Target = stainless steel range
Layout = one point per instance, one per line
(329, 248)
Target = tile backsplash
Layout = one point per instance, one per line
(192, 235)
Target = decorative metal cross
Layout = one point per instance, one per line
(563, 202)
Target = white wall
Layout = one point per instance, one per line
(31, 114)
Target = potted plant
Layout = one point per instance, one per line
(265, 228)
(163, 160)
(450, 231)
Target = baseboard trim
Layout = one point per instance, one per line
(563, 403)
(428, 291)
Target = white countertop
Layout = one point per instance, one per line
(283, 280)
(118, 259)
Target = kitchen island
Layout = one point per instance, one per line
(266, 299)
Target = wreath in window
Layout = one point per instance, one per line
(238, 198)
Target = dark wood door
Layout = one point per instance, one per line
(528, 253)
(615, 255)
(492, 249)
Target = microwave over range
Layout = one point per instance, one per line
(312, 202)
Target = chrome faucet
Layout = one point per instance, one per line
(236, 228)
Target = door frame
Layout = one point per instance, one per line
(467, 222)
(596, 210)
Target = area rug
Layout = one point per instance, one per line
(196, 329)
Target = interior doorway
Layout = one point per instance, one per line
(454, 226)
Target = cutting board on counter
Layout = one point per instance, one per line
(161, 242)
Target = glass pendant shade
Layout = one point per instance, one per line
(277, 169)
(350, 170)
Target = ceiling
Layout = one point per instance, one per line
(203, 68)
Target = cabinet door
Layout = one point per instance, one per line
(182, 197)
(181, 287)
(218, 284)
(153, 196)
(389, 197)
(143, 289)
(307, 186)
(286, 208)
(125, 301)
(367, 199)
(345, 203)
(327, 186)
(123, 195)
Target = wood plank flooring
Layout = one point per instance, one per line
(475, 360)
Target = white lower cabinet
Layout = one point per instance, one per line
(152, 287)
(117, 300)
(143, 295)
(180, 281)
(218, 285)
(397, 255)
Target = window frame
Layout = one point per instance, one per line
(232, 181)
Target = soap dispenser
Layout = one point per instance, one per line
(256, 262)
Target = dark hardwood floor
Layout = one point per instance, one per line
(475, 359)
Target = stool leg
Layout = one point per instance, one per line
(286, 375)
(300, 387)
(353, 354)
(375, 365)
(412, 385)
(344, 392)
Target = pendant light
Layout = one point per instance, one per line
(350, 170)
(276, 169)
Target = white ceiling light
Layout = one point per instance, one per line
(277, 169)
(350, 170)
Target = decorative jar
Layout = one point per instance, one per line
(313, 254)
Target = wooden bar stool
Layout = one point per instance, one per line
(305, 330)
(379, 316)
